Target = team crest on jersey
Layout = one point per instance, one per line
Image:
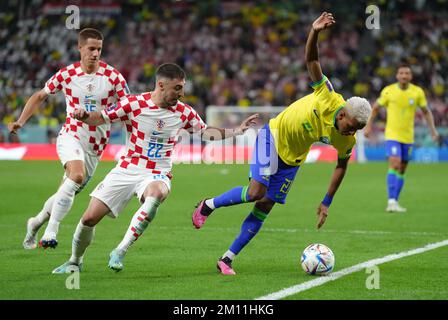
(411, 101)
(90, 87)
(160, 124)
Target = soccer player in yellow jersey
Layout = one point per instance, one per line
(401, 99)
(283, 144)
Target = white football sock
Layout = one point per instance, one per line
(210, 203)
(43, 215)
(229, 254)
(81, 240)
(140, 221)
(63, 202)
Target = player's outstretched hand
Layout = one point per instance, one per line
(248, 122)
(322, 213)
(323, 22)
(14, 126)
(80, 114)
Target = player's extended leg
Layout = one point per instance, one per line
(392, 183)
(155, 193)
(406, 152)
(255, 191)
(250, 227)
(63, 201)
(83, 235)
(264, 163)
(400, 179)
(35, 223)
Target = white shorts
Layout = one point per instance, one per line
(121, 184)
(69, 149)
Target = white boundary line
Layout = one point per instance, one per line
(334, 276)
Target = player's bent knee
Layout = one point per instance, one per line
(156, 190)
(255, 195)
(77, 177)
(89, 221)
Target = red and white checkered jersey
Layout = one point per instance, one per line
(93, 92)
(152, 131)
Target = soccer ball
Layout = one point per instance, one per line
(317, 259)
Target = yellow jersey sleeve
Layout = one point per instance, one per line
(323, 89)
(421, 100)
(383, 100)
(327, 101)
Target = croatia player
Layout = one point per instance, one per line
(282, 146)
(92, 85)
(401, 100)
(153, 121)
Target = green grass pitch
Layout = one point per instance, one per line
(172, 260)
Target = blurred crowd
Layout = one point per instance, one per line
(235, 53)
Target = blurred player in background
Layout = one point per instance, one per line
(285, 142)
(90, 84)
(153, 120)
(401, 99)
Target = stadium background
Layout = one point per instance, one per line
(235, 53)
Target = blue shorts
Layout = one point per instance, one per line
(267, 168)
(398, 149)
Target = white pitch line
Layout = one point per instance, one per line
(336, 275)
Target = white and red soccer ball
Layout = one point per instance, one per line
(317, 259)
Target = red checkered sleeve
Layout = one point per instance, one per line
(193, 122)
(56, 82)
(121, 87)
(125, 110)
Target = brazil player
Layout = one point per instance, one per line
(90, 84)
(282, 146)
(154, 121)
(401, 100)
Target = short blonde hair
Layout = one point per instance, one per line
(359, 108)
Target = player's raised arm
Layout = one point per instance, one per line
(30, 107)
(213, 133)
(93, 118)
(311, 51)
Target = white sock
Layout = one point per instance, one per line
(63, 202)
(81, 240)
(43, 215)
(229, 254)
(210, 203)
(140, 221)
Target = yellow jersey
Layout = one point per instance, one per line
(401, 105)
(309, 120)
